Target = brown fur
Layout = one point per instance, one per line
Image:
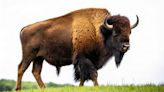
(55, 40)
(78, 38)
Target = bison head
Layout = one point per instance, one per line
(117, 31)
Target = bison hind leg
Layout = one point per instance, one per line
(36, 71)
(24, 64)
(85, 70)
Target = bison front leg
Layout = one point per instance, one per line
(95, 83)
(81, 82)
(85, 70)
(37, 67)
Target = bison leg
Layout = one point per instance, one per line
(21, 69)
(86, 70)
(93, 75)
(95, 83)
(37, 67)
(81, 83)
(19, 78)
(28, 57)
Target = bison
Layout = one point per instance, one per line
(86, 38)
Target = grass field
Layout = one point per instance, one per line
(9, 86)
(129, 88)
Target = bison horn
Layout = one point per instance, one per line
(133, 26)
(106, 25)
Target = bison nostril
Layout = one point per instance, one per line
(125, 46)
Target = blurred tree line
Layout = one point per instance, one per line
(6, 85)
(9, 85)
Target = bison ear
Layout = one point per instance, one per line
(118, 58)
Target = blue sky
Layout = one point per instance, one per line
(143, 63)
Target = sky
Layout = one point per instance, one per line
(142, 64)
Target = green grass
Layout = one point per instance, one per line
(8, 85)
(129, 88)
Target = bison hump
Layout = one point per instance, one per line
(84, 35)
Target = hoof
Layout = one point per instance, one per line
(17, 89)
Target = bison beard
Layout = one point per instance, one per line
(84, 69)
(118, 57)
